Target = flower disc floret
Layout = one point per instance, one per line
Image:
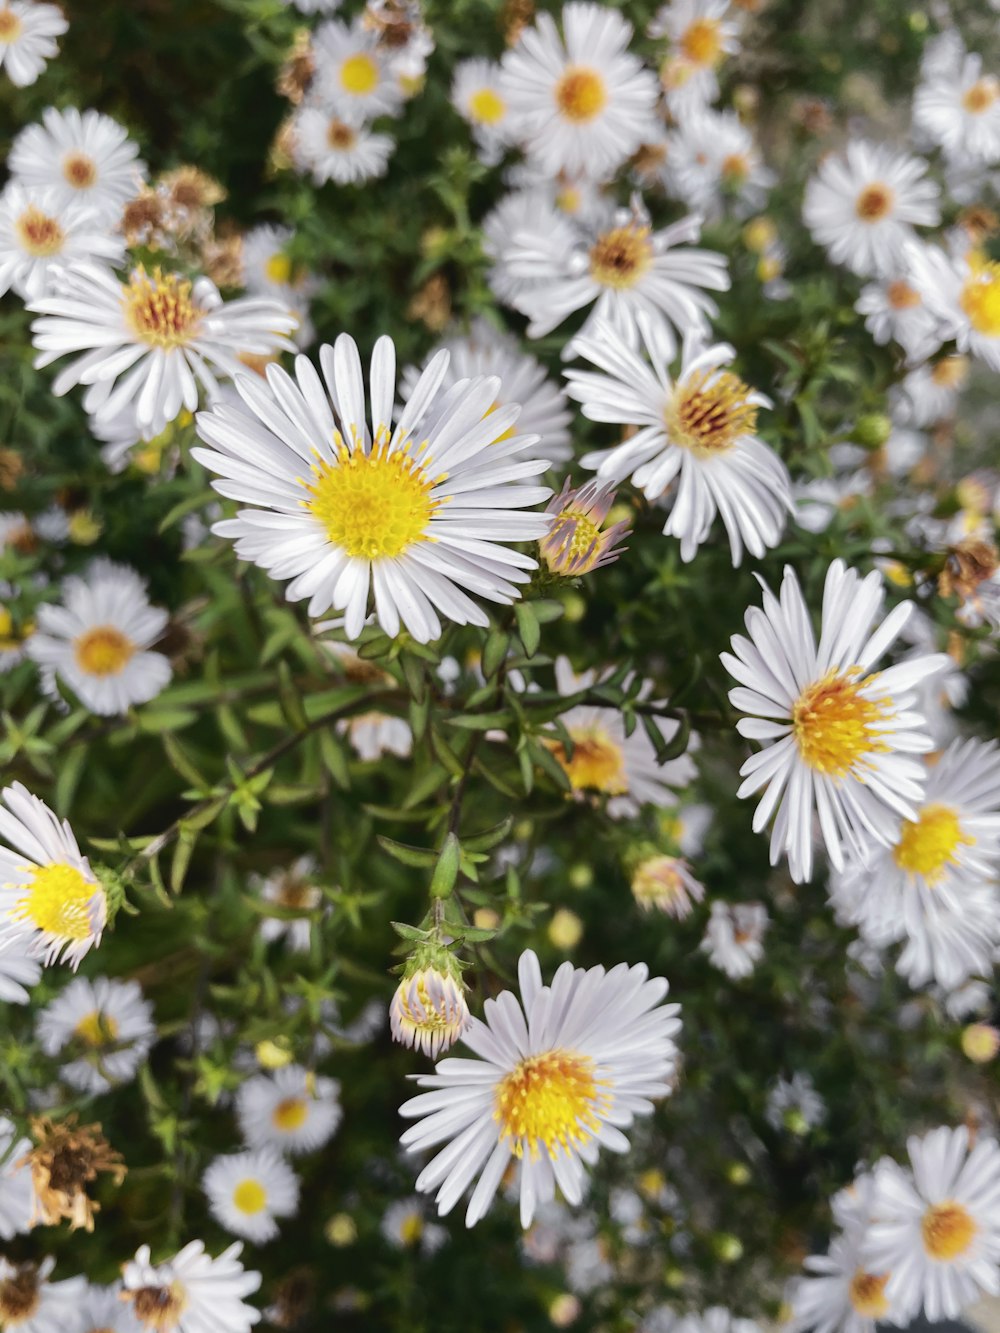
(580, 94)
(375, 505)
(548, 1101)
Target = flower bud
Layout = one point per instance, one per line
(980, 1042)
(429, 1011)
(666, 883)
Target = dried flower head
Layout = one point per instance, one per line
(190, 188)
(432, 303)
(222, 259)
(66, 1158)
(575, 543)
(142, 218)
(969, 563)
(298, 68)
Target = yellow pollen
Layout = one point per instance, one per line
(278, 270)
(374, 506)
(951, 372)
(79, 170)
(598, 762)
(981, 95)
(40, 234)
(411, 1229)
(103, 651)
(340, 136)
(901, 296)
(835, 725)
(874, 203)
(290, 1114)
(948, 1230)
(586, 534)
(980, 299)
(159, 309)
(580, 94)
(709, 412)
(928, 846)
(702, 42)
(620, 257)
(249, 1196)
(359, 75)
(486, 106)
(57, 900)
(549, 1101)
(97, 1029)
(10, 26)
(867, 1294)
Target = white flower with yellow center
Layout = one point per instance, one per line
(894, 310)
(839, 1294)
(839, 738)
(666, 883)
(17, 1195)
(353, 76)
(19, 969)
(102, 1029)
(429, 1011)
(558, 1076)
(335, 146)
(293, 890)
(957, 103)
(937, 1231)
(580, 102)
(191, 1292)
(555, 265)
(268, 269)
(934, 886)
(31, 1303)
(292, 1109)
(372, 735)
(97, 641)
(929, 394)
(38, 233)
(702, 34)
(964, 293)
(419, 516)
(862, 206)
(28, 32)
(153, 344)
(248, 1191)
(713, 165)
(477, 96)
(50, 898)
(696, 432)
(88, 158)
(734, 937)
(405, 1226)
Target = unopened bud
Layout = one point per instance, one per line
(429, 1011)
(980, 1042)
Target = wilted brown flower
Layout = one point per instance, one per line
(979, 223)
(142, 218)
(515, 17)
(19, 1294)
(294, 1299)
(11, 469)
(282, 154)
(432, 304)
(969, 563)
(66, 1158)
(190, 188)
(222, 259)
(298, 68)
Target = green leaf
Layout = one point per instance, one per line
(495, 652)
(410, 856)
(528, 627)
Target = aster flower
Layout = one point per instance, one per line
(192, 1291)
(666, 883)
(929, 393)
(38, 233)
(333, 147)
(838, 1293)
(16, 1191)
(31, 1303)
(405, 1226)
(794, 1104)
(103, 1029)
(65, 1160)
(558, 1076)
(477, 96)
(964, 293)
(429, 1010)
(420, 513)
(698, 430)
(293, 890)
(713, 163)
(576, 543)
(862, 207)
(50, 899)
(838, 737)
(353, 75)
(28, 32)
(88, 158)
(248, 1191)
(153, 342)
(580, 102)
(957, 103)
(292, 1110)
(701, 33)
(98, 640)
(895, 311)
(734, 937)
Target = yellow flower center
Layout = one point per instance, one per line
(981, 95)
(874, 202)
(278, 270)
(735, 169)
(359, 75)
(249, 1196)
(926, 847)
(40, 234)
(159, 309)
(901, 296)
(374, 506)
(835, 725)
(10, 26)
(598, 762)
(951, 372)
(411, 1229)
(486, 106)
(980, 299)
(290, 1114)
(580, 94)
(867, 1294)
(159, 1307)
(709, 412)
(79, 170)
(549, 1101)
(948, 1230)
(103, 651)
(340, 136)
(702, 42)
(97, 1029)
(620, 257)
(57, 900)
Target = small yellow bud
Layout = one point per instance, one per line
(484, 918)
(759, 234)
(565, 930)
(580, 876)
(738, 1173)
(728, 1248)
(84, 528)
(273, 1054)
(980, 1042)
(341, 1230)
(565, 1310)
(674, 1278)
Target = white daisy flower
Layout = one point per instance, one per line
(269, 271)
(19, 969)
(607, 762)
(405, 1227)
(28, 33)
(153, 342)
(580, 102)
(862, 206)
(937, 1231)
(666, 883)
(336, 149)
(895, 311)
(87, 157)
(38, 233)
(793, 1103)
(697, 431)
(103, 1029)
(702, 33)
(928, 394)
(713, 164)
(17, 1195)
(625, 270)
(559, 1075)
(933, 887)
(192, 1292)
(417, 514)
(353, 78)
(371, 735)
(838, 1293)
(838, 736)
(487, 350)
(248, 1191)
(49, 896)
(734, 937)
(477, 96)
(290, 889)
(292, 1110)
(964, 292)
(30, 1303)
(957, 104)
(97, 641)
(104, 1311)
